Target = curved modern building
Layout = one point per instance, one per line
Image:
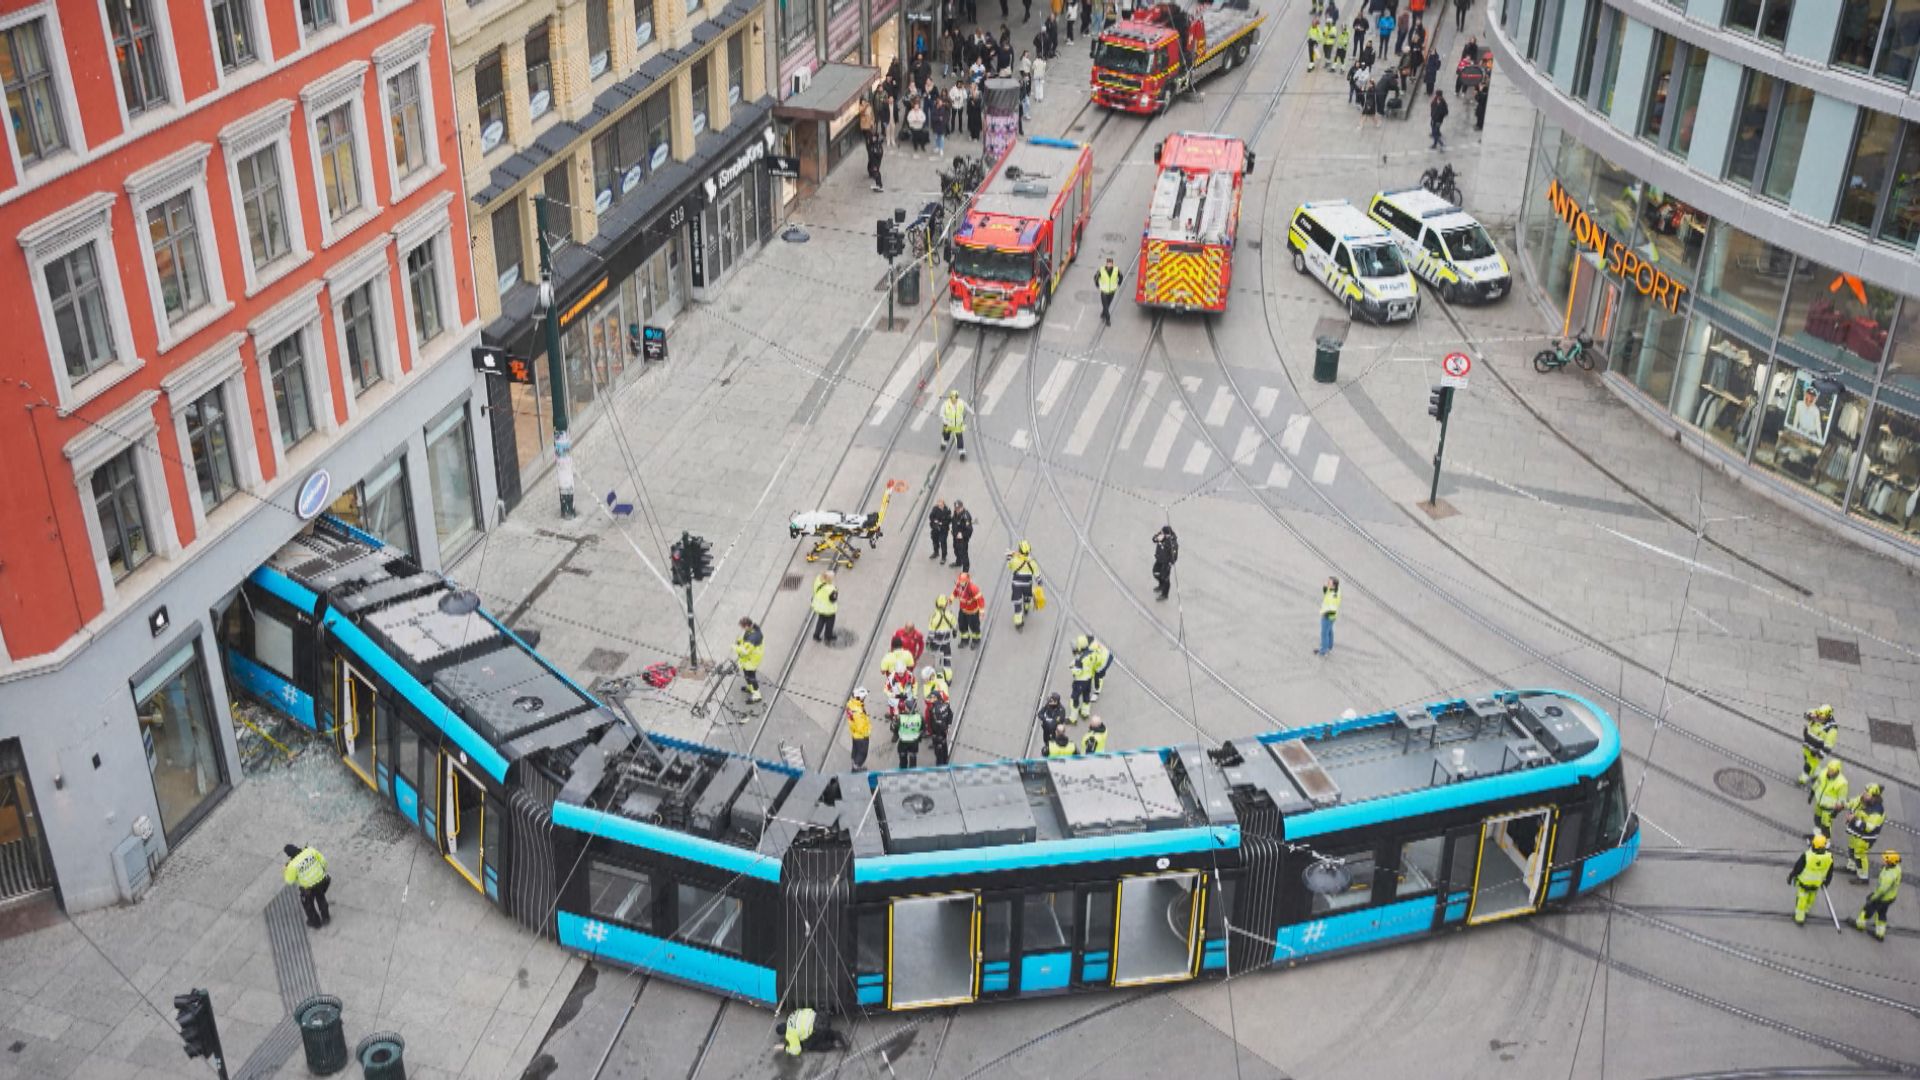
(1727, 193)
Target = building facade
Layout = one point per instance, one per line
(240, 294)
(646, 125)
(1724, 192)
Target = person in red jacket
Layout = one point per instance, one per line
(972, 603)
(909, 638)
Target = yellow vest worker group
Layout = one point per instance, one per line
(1829, 795)
(307, 869)
(1885, 890)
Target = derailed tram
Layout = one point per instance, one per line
(926, 887)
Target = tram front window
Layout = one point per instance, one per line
(991, 264)
(1613, 809)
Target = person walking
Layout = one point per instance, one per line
(1432, 70)
(1166, 552)
(1828, 795)
(1052, 717)
(1437, 115)
(826, 604)
(940, 630)
(1025, 574)
(1329, 611)
(1809, 875)
(971, 602)
(1886, 889)
(1460, 14)
(1314, 33)
(1385, 24)
(942, 122)
(1866, 815)
(1096, 740)
(1342, 36)
(749, 650)
(1107, 279)
(1102, 660)
(859, 727)
(1026, 11)
(1040, 78)
(953, 423)
(1817, 740)
(307, 870)
(974, 114)
(1069, 15)
(962, 536)
(876, 150)
(1083, 669)
(939, 520)
(1480, 106)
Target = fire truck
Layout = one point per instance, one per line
(1019, 232)
(1140, 62)
(1186, 253)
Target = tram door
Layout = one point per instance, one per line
(354, 709)
(464, 810)
(1157, 936)
(1513, 865)
(933, 950)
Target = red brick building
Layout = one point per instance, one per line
(238, 293)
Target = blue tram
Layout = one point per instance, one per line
(939, 886)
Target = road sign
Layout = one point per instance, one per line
(1454, 369)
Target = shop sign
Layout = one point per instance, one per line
(603, 201)
(1620, 260)
(734, 169)
(587, 298)
(313, 495)
(697, 249)
(653, 343)
(643, 33)
(699, 122)
(661, 153)
(788, 167)
(631, 180)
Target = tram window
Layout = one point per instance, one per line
(620, 895)
(273, 644)
(1567, 841)
(708, 918)
(1047, 922)
(1359, 890)
(996, 930)
(1466, 855)
(1420, 866)
(1100, 918)
(870, 934)
(1613, 809)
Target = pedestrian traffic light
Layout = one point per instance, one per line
(697, 555)
(1440, 402)
(193, 1011)
(679, 571)
(883, 238)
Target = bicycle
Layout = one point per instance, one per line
(1575, 350)
(957, 187)
(1442, 182)
(926, 230)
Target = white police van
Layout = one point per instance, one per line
(1355, 257)
(1445, 245)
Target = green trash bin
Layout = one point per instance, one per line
(321, 1034)
(1326, 360)
(382, 1056)
(907, 287)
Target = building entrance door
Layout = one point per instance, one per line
(25, 866)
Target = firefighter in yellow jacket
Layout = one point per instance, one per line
(953, 423)
(1026, 573)
(307, 869)
(1817, 740)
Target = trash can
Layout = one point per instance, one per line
(321, 1034)
(382, 1056)
(1326, 360)
(907, 287)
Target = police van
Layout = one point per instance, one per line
(1446, 246)
(1355, 258)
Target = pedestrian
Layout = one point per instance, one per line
(1051, 30)
(307, 869)
(1359, 31)
(826, 603)
(1828, 795)
(1384, 24)
(1069, 15)
(1809, 875)
(1003, 9)
(1096, 740)
(1082, 668)
(953, 423)
(971, 601)
(908, 730)
(1314, 31)
(1359, 81)
(1432, 70)
(749, 649)
(974, 114)
(940, 629)
(876, 149)
(1817, 740)
(1040, 79)
(1436, 115)
(1460, 14)
(1107, 279)
(1060, 745)
(939, 722)
(1881, 897)
(1102, 660)
(1025, 576)
(939, 520)
(1480, 106)
(942, 123)
(1865, 816)
(1329, 611)
(804, 1030)
(859, 727)
(917, 125)
(1026, 11)
(1166, 552)
(1369, 100)
(1052, 717)
(962, 536)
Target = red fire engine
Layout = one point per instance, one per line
(1140, 61)
(1186, 253)
(1020, 232)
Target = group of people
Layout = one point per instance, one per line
(1378, 86)
(1824, 777)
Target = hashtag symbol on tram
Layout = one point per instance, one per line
(1313, 933)
(595, 932)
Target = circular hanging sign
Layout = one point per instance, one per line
(603, 200)
(539, 103)
(660, 154)
(313, 495)
(491, 135)
(631, 180)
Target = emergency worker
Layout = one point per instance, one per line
(1329, 611)
(1865, 815)
(971, 602)
(307, 869)
(962, 536)
(1818, 740)
(910, 729)
(859, 727)
(1166, 552)
(826, 603)
(1021, 565)
(1809, 875)
(1102, 660)
(896, 672)
(939, 520)
(1052, 716)
(749, 650)
(1314, 41)
(804, 1030)
(953, 423)
(1107, 279)
(940, 629)
(1096, 740)
(1084, 670)
(1886, 888)
(939, 718)
(1060, 745)
(909, 638)
(1828, 795)
(935, 680)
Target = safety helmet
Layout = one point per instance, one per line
(1873, 791)
(927, 672)
(940, 601)
(1891, 858)
(1025, 548)
(1819, 842)
(1080, 643)
(953, 394)
(1833, 766)
(1824, 711)
(860, 692)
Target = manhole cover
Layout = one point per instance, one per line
(1891, 733)
(1740, 784)
(1840, 652)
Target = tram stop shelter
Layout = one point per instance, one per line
(824, 119)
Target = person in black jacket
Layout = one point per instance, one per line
(1437, 113)
(939, 519)
(962, 534)
(1166, 552)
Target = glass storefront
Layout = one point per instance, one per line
(380, 505)
(177, 726)
(603, 344)
(456, 517)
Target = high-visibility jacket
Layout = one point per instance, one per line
(1107, 278)
(307, 869)
(909, 727)
(858, 724)
(1814, 869)
(1023, 570)
(942, 622)
(1102, 656)
(1342, 37)
(1820, 735)
(750, 649)
(1084, 669)
(935, 686)
(972, 600)
(799, 1030)
(1830, 792)
(1330, 603)
(897, 666)
(1095, 742)
(953, 415)
(1315, 35)
(1887, 886)
(1060, 749)
(826, 598)
(1864, 818)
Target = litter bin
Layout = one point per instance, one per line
(1326, 360)
(382, 1056)
(907, 286)
(321, 1034)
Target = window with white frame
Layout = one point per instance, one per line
(407, 122)
(170, 205)
(490, 98)
(339, 167)
(79, 297)
(317, 15)
(539, 46)
(174, 238)
(258, 154)
(212, 426)
(236, 33)
(363, 318)
(406, 102)
(423, 245)
(263, 206)
(362, 338)
(35, 100)
(210, 444)
(507, 254)
(292, 392)
(139, 50)
(599, 39)
(340, 158)
(82, 312)
(423, 291)
(123, 520)
(122, 488)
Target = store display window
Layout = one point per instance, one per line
(1809, 429)
(177, 727)
(1720, 380)
(1744, 276)
(1888, 491)
(1837, 316)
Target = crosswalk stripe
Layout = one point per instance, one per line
(1296, 432)
(1019, 440)
(1325, 467)
(1279, 476)
(1197, 458)
(996, 386)
(1057, 380)
(1264, 401)
(1149, 382)
(1191, 382)
(1163, 436)
(895, 391)
(1222, 402)
(1249, 445)
(1090, 416)
(937, 389)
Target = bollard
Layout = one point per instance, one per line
(1326, 360)
(382, 1056)
(321, 1034)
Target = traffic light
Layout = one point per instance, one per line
(680, 572)
(883, 238)
(698, 555)
(193, 1011)
(1440, 402)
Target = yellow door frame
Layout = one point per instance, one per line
(348, 705)
(973, 949)
(1194, 908)
(1542, 853)
(450, 826)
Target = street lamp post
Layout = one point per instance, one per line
(556, 371)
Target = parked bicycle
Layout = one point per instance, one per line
(1443, 182)
(1577, 349)
(957, 187)
(927, 230)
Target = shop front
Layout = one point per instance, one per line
(1805, 377)
(822, 122)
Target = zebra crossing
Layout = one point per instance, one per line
(1159, 439)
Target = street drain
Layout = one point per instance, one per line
(1739, 784)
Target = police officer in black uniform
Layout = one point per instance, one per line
(1166, 552)
(939, 519)
(962, 535)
